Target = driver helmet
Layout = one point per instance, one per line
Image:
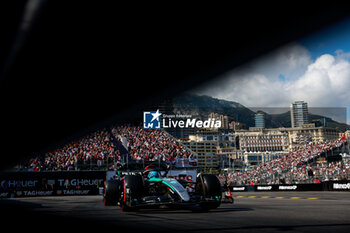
(152, 174)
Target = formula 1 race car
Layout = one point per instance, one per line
(151, 189)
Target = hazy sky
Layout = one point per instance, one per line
(315, 69)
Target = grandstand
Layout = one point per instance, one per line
(149, 144)
(104, 150)
(299, 166)
(94, 151)
(107, 149)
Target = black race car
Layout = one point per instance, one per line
(151, 188)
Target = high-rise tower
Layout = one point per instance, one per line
(299, 113)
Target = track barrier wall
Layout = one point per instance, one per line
(64, 183)
(26, 184)
(323, 186)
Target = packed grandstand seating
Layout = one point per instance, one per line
(298, 166)
(150, 144)
(94, 149)
(98, 150)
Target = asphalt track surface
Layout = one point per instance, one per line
(252, 212)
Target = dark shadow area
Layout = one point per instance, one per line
(100, 65)
(7, 203)
(23, 215)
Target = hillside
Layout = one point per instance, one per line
(202, 106)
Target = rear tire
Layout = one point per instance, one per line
(230, 199)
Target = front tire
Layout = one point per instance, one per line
(211, 186)
(132, 186)
(111, 192)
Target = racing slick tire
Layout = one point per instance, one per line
(211, 186)
(230, 199)
(111, 192)
(132, 186)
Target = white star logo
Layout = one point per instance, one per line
(156, 115)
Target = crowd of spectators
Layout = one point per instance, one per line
(94, 149)
(150, 144)
(295, 167)
(97, 150)
(337, 170)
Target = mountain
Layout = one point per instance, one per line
(202, 106)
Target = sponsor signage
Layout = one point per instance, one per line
(80, 182)
(4, 195)
(337, 186)
(264, 188)
(287, 187)
(75, 192)
(239, 189)
(36, 193)
(343, 185)
(4, 184)
(24, 184)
